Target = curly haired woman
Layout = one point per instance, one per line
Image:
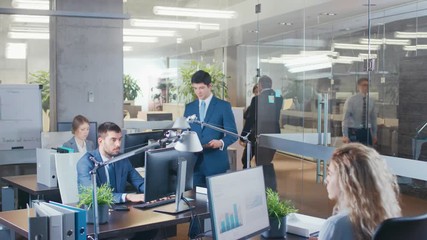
(365, 191)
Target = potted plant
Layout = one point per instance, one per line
(278, 210)
(130, 88)
(42, 78)
(219, 85)
(105, 200)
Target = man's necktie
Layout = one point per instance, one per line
(364, 113)
(112, 175)
(202, 110)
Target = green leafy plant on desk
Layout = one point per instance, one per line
(105, 200)
(278, 210)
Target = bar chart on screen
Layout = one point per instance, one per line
(231, 220)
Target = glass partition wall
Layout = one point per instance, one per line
(316, 61)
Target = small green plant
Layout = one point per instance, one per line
(42, 78)
(278, 208)
(219, 85)
(130, 88)
(104, 195)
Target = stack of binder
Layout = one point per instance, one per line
(57, 221)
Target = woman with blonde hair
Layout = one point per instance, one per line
(365, 191)
(80, 130)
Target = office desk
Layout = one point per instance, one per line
(27, 184)
(120, 223)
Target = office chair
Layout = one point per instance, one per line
(66, 174)
(402, 228)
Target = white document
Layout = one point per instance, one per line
(304, 225)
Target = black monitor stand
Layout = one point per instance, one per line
(180, 205)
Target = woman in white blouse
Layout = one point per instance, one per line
(80, 130)
(365, 191)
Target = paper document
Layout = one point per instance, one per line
(303, 225)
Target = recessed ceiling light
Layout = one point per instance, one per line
(286, 23)
(253, 31)
(328, 14)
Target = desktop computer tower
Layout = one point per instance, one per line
(46, 170)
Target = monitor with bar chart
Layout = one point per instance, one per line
(237, 204)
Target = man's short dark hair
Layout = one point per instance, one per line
(362, 80)
(265, 82)
(107, 127)
(201, 77)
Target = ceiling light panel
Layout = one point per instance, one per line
(193, 12)
(30, 19)
(415, 48)
(31, 4)
(138, 39)
(410, 34)
(148, 32)
(173, 24)
(355, 46)
(386, 41)
(310, 67)
(27, 35)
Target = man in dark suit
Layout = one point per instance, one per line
(115, 174)
(216, 112)
(263, 117)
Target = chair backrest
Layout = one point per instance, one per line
(402, 228)
(66, 173)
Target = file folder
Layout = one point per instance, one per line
(68, 223)
(55, 220)
(79, 220)
(38, 227)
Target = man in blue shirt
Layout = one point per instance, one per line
(115, 174)
(360, 117)
(218, 113)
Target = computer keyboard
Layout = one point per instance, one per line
(155, 203)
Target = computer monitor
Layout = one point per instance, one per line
(237, 204)
(161, 172)
(93, 130)
(159, 116)
(134, 141)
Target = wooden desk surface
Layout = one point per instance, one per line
(28, 183)
(120, 223)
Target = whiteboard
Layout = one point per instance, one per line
(20, 116)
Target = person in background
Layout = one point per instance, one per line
(365, 191)
(360, 117)
(216, 112)
(80, 130)
(263, 117)
(251, 137)
(115, 174)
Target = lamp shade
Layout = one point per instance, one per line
(181, 123)
(188, 142)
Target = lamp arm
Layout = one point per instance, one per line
(193, 119)
(134, 152)
(203, 124)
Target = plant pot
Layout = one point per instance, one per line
(102, 214)
(275, 231)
